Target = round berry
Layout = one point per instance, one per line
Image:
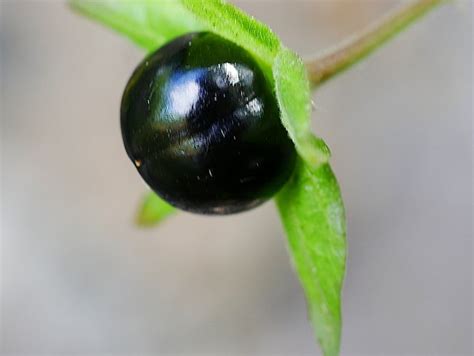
(201, 124)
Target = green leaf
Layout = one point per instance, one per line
(153, 210)
(148, 23)
(294, 98)
(312, 212)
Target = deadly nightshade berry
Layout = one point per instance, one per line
(201, 124)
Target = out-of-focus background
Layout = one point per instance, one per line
(78, 276)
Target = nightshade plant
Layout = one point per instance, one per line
(310, 202)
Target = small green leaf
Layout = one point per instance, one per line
(312, 212)
(294, 98)
(148, 23)
(153, 210)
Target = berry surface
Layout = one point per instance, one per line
(201, 124)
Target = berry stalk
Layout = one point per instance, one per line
(335, 60)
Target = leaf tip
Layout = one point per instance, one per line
(142, 220)
(152, 211)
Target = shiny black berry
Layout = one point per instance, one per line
(201, 123)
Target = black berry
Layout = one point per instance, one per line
(201, 124)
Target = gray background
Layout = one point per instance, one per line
(79, 277)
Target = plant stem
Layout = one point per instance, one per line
(335, 60)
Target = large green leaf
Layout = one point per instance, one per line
(153, 210)
(312, 212)
(148, 23)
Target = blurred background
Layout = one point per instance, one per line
(78, 277)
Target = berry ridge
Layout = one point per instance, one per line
(201, 125)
